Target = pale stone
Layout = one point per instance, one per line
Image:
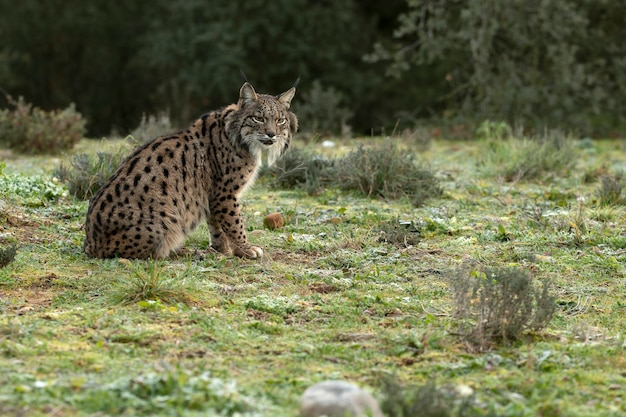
(338, 399)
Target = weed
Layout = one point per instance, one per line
(28, 129)
(87, 173)
(151, 127)
(493, 130)
(7, 254)
(498, 304)
(151, 284)
(611, 190)
(388, 172)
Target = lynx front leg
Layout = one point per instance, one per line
(219, 241)
(226, 218)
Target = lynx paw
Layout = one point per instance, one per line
(251, 252)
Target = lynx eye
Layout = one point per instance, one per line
(258, 119)
(281, 121)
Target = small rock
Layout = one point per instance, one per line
(338, 399)
(273, 221)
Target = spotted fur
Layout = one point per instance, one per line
(160, 194)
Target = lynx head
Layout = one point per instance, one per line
(262, 122)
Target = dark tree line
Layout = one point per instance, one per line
(557, 62)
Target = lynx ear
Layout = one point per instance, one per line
(285, 98)
(247, 93)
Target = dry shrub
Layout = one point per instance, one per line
(495, 305)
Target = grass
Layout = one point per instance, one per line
(351, 288)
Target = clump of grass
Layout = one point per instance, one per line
(399, 233)
(611, 190)
(388, 172)
(151, 127)
(382, 171)
(151, 283)
(31, 130)
(498, 304)
(7, 255)
(521, 157)
(87, 173)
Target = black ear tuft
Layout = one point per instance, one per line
(297, 82)
(243, 76)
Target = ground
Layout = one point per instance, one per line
(204, 334)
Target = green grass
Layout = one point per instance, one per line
(351, 288)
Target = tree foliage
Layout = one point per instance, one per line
(557, 62)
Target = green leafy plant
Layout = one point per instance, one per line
(87, 173)
(172, 391)
(498, 304)
(31, 130)
(31, 191)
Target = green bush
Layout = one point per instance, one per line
(31, 130)
(301, 168)
(381, 171)
(498, 304)
(87, 173)
(388, 172)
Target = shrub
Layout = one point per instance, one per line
(303, 169)
(498, 304)
(151, 127)
(429, 400)
(383, 171)
(517, 157)
(29, 129)
(87, 173)
(388, 172)
(611, 190)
